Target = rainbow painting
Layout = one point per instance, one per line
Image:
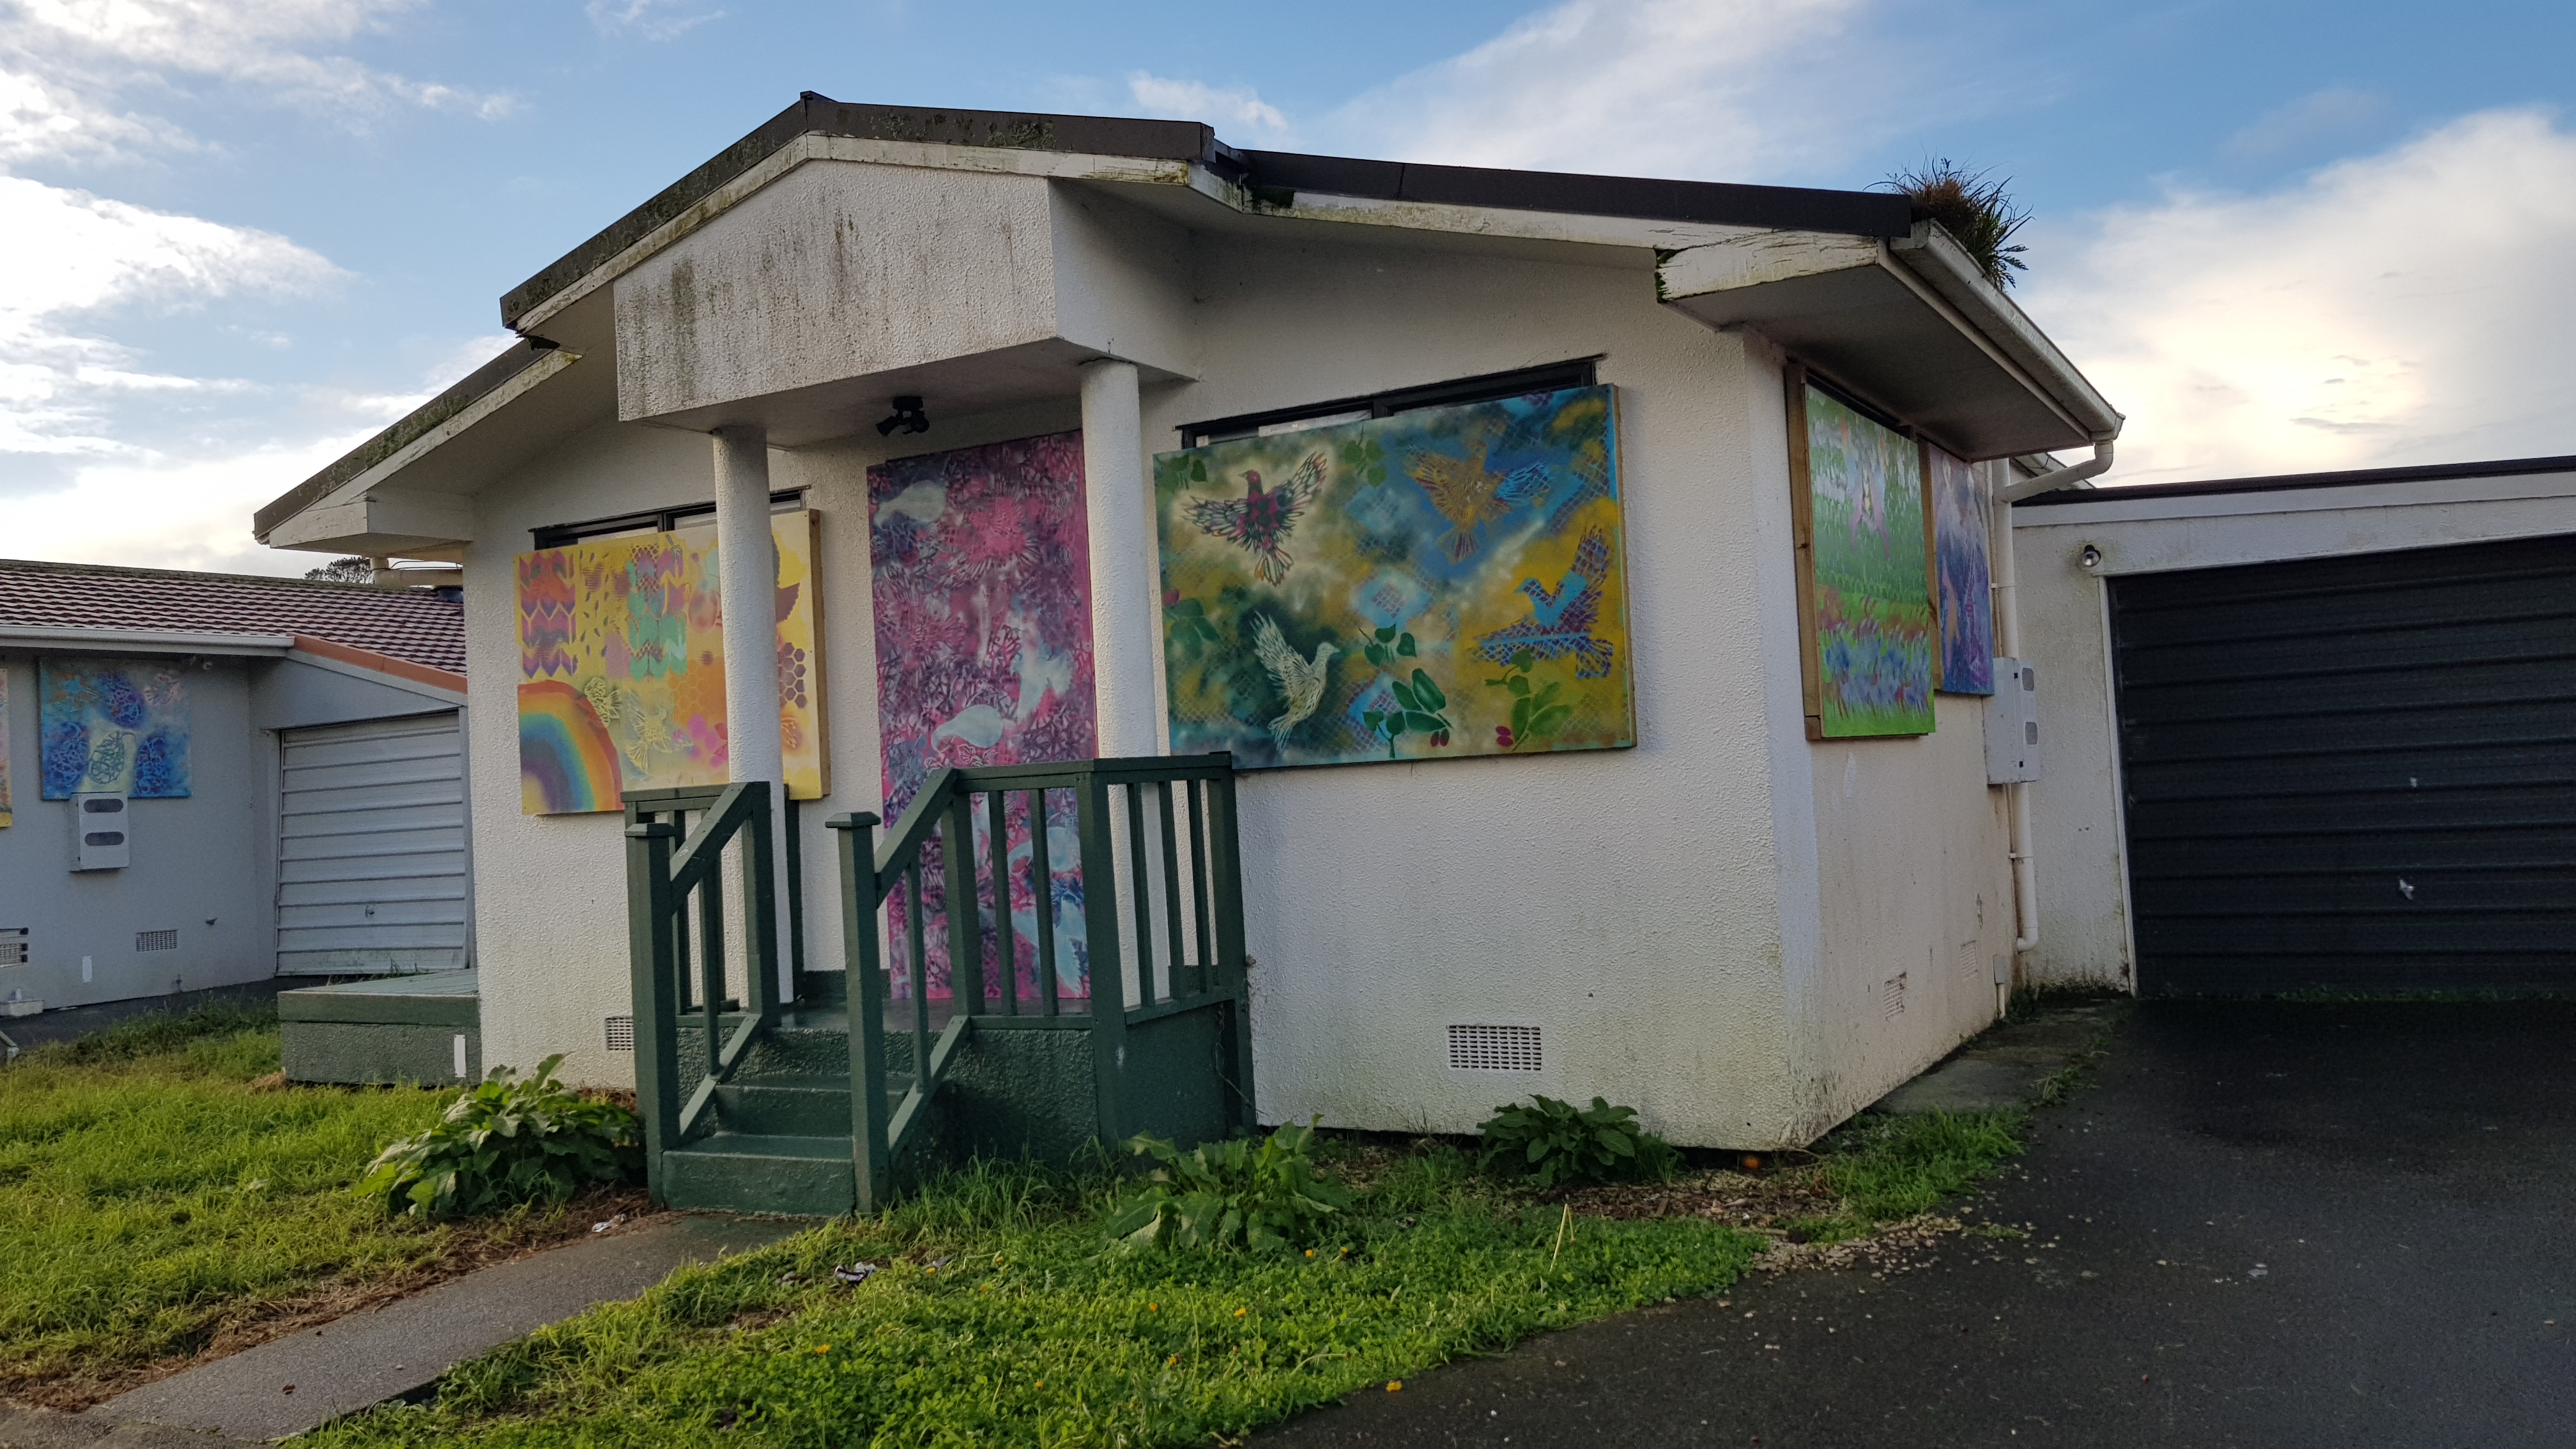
(622, 668)
(567, 762)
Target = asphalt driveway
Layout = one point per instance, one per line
(2277, 1224)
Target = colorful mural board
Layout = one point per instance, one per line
(1964, 592)
(1445, 582)
(117, 726)
(1869, 594)
(981, 565)
(622, 668)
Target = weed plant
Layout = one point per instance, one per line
(154, 1188)
(1557, 1143)
(506, 1143)
(1264, 1196)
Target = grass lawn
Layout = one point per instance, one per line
(162, 1190)
(999, 1316)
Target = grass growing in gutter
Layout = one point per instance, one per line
(162, 1189)
(1000, 1319)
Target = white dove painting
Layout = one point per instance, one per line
(1443, 582)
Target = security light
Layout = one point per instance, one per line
(908, 417)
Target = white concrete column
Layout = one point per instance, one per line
(1118, 508)
(747, 563)
(747, 591)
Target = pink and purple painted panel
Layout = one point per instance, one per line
(981, 562)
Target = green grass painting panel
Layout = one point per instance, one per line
(1873, 601)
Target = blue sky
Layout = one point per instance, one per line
(236, 238)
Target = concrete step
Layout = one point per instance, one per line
(797, 1105)
(796, 1175)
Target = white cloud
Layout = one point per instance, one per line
(651, 19)
(1185, 100)
(186, 514)
(67, 253)
(2408, 307)
(194, 512)
(64, 64)
(1730, 88)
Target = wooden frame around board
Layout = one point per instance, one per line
(1802, 525)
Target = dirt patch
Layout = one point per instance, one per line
(471, 1245)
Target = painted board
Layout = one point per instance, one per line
(113, 725)
(1444, 582)
(1868, 592)
(980, 562)
(6, 818)
(1964, 592)
(622, 668)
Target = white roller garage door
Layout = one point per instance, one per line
(371, 873)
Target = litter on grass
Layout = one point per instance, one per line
(855, 1273)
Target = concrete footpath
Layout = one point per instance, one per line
(292, 1384)
(2261, 1223)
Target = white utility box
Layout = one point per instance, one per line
(2012, 724)
(101, 835)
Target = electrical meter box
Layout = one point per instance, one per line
(2012, 724)
(101, 837)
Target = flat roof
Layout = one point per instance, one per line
(1795, 208)
(2422, 473)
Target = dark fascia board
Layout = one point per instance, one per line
(1787, 208)
(819, 115)
(2424, 473)
(476, 384)
(1280, 173)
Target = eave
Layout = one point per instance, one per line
(1909, 324)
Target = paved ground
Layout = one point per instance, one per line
(289, 1385)
(2266, 1224)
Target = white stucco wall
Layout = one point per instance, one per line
(2083, 876)
(1701, 925)
(204, 866)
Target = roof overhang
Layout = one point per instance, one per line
(407, 491)
(146, 641)
(1909, 324)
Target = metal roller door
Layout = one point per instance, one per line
(2353, 773)
(371, 872)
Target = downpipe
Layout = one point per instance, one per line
(2008, 635)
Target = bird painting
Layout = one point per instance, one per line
(1300, 682)
(1260, 521)
(1468, 496)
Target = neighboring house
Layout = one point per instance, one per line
(1084, 436)
(209, 779)
(2309, 733)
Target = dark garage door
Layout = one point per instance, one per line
(2353, 773)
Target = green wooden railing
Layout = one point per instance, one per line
(1162, 934)
(677, 952)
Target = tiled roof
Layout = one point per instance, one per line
(419, 625)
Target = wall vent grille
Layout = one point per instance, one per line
(1494, 1049)
(1891, 997)
(156, 940)
(621, 1033)
(13, 946)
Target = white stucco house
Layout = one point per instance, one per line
(1731, 916)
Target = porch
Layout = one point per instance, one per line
(952, 1029)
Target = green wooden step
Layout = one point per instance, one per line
(795, 1175)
